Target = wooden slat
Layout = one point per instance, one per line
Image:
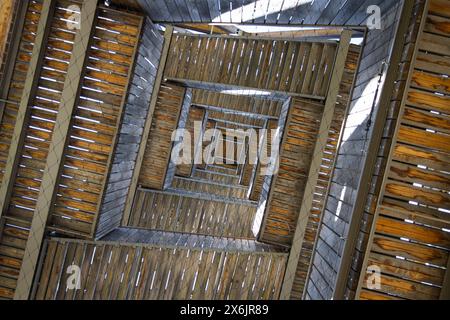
(409, 239)
(273, 74)
(177, 267)
(23, 112)
(148, 125)
(56, 150)
(313, 173)
(158, 147)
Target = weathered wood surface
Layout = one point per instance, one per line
(261, 64)
(147, 272)
(177, 213)
(93, 127)
(16, 85)
(410, 241)
(164, 238)
(288, 183)
(209, 187)
(336, 13)
(258, 177)
(325, 171)
(7, 16)
(131, 130)
(57, 146)
(159, 145)
(196, 115)
(364, 113)
(247, 103)
(38, 124)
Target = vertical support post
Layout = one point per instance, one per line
(370, 161)
(148, 123)
(313, 176)
(23, 113)
(69, 98)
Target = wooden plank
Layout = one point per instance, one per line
(148, 122)
(426, 150)
(445, 290)
(126, 86)
(369, 164)
(30, 87)
(56, 150)
(313, 175)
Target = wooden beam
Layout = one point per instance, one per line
(259, 92)
(445, 290)
(313, 176)
(212, 183)
(330, 177)
(270, 180)
(183, 114)
(6, 15)
(233, 123)
(300, 35)
(253, 176)
(371, 159)
(23, 113)
(201, 196)
(10, 55)
(69, 99)
(354, 27)
(198, 147)
(148, 123)
(234, 112)
(293, 36)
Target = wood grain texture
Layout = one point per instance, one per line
(160, 272)
(410, 239)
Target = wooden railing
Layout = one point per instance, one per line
(300, 68)
(142, 271)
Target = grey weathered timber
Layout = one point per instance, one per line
(369, 165)
(211, 183)
(272, 94)
(330, 103)
(337, 12)
(69, 98)
(170, 169)
(178, 239)
(134, 114)
(201, 196)
(148, 123)
(327, 193)
(234, 123)
(30, 86)
(351, 156)
(109, 166)
(235, 112)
